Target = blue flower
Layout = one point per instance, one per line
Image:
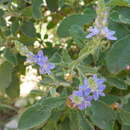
(105, 32)
(91, 89)
(42, 61)
(109, 34)
(93, 31)
(97, 87)
(81, 99)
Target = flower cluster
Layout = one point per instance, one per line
(105, 32)
(91, 89)
(100, 26)
(42, 61)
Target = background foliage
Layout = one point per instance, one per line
(59, 27)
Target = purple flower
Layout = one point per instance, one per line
(109, 33)
(103, 32)
(42, 61)
(85, 103)
(80, 99)
(93, 31)
(97, 87)
(91, 89)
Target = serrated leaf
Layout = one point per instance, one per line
(5, 75)
(36, 4)
(102, 116)
(39, 112)
(63, 29)
(116, 82)
(118, 57)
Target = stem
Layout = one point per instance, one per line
(89, 49)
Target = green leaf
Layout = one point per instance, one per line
(28, 29)
(65, 125)
(110, 99)
(39, 112)
(73, 116)
(52, 4)
(102, 116)
(79, 19)
(5, 75)
(77, 33)
(120, 29)
(14, 26)
(126, 103)
(10, 56)
(118, 57)
(56, 58)
(79, 122)
(51, 25)
(13, 89)
(27, 11)
(36, 4)
(33, 117)
(121, 15)
(84, 124)
(2, 22)
(125, 117)
(5, 106)
(66, 57)
(87, 69)
(125, 127)
(52, 122)
(26, 40)
(119, 3)
(50, 126)
(1, 12)
(123, 19)
(116, 82)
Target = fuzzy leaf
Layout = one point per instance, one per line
(5, 75)
(39, 112)
(119, 57)
(63, 29)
